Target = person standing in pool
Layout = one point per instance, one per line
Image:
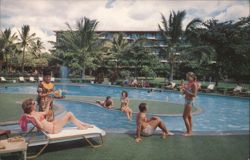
(146, 127)
(45, 89)
(190, 92)
(107, 103)
(125, 105)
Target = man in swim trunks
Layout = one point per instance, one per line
(146, 127)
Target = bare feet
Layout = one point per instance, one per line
(187, 134)
(164, 135)
(137, 140)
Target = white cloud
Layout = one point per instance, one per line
(46, 16)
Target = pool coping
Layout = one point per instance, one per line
(199, 110)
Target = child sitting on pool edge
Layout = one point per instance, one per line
(108, 103)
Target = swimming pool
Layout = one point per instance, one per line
(220, 113)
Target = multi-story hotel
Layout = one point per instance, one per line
(154, 39)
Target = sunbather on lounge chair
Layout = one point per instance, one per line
(237, 89)
(29, 108)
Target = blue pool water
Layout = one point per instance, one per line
(220, 113)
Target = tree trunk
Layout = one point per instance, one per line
(171, 72)
(7, 63)
(23, 60)
(83, 73)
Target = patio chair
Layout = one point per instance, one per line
(32, 79)
(171, 85)
(210, 88)
(21, 79)
(67, 134)
(52, 79)
(2, 79)
(40, 79)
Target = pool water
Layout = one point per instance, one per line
(219, 113)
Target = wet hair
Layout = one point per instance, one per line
(142, 107)
(27, 105)
(125, 92)
(108, 97)
(46, 72)
(191, 74)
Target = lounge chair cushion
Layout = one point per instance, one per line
(74, 132)
(211, 86)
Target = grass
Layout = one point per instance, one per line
(10, 105)
(123, 147)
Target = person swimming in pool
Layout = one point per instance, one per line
(108, 103)
(55, 126)
(190, 92)
(125, 105)
(146, 127)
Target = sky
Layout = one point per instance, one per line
(47, 16)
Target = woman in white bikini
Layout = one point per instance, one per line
(125, 105)
(146, 127)
(29, 108)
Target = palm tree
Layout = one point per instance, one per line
(26, 40)
(173, 36)
(79, 46)
(7, 44)
(37, 47)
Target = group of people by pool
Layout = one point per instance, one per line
(44, 118)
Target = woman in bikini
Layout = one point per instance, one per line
(146, 127)
(190, 92)
(125, 105)
(29, 108)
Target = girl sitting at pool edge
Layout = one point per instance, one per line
(29, 108)
(125, 105)
(146, 127)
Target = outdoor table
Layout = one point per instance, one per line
(10, 147)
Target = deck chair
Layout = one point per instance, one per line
(170, 86)
(32, 79)
(67, 134)
(21, 79)
(209, 88)
(52, 79)
(2, 79)
(40, 79)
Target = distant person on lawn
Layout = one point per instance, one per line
(146, 127)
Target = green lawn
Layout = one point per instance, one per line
(10, 105)
(123, 147)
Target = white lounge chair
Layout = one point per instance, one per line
(2, 79)
(21, 79)
(67, 134)
(52, 79)
(40, 79)
(209, 88)
(32, 79)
